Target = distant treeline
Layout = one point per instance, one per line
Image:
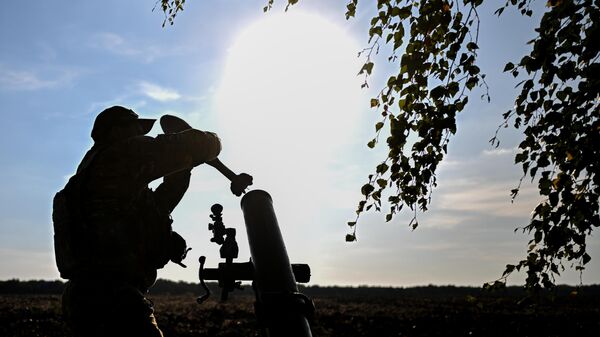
(43, 287)
(31, 287)
(438, 292)
(161, 286)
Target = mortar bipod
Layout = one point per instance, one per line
(229, 276)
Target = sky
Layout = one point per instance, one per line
(280, 89)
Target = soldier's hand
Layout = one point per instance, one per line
(178, 249)
(240, 183)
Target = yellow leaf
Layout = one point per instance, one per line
(374, 102)
(555, 182)
(446, 7)
(552, 3)
(569, 156)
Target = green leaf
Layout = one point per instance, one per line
(351, 9)
(367, 67)
(398, 37)
(472, 46)
(509, 66)
(382, 168)
(538, 236)
(377, 30)
(401, 103)
(437, 92)
(350, 237)
(453, 89)
(351, 223)
(520, 157)
(404, 12)
(586, 258)
(361, 206)
(389, 37)
(367, 189)
(472, 82)
(509, 269)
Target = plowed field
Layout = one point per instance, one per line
(39, 315)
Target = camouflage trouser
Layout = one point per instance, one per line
(108, 309)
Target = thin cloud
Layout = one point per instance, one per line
(474, 196)
(27, 80)
(119, 45)
(478, 187)
(158, 93)
(443, 218)
(500, 152)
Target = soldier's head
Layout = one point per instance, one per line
(117, 123)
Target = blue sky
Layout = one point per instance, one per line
(223, 66)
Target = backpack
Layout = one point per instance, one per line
(66, 218)
(69, 224)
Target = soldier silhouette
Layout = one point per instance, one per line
(112, 232)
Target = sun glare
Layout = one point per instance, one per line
(289, 96)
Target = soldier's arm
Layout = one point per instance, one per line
(169, 193)
(167, 154)
(239, 182)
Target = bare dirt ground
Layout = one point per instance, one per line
(179, 315)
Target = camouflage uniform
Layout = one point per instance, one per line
(126, 234)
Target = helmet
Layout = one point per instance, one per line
(118, 115)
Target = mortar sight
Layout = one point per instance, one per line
(217, 227)
(216, 209)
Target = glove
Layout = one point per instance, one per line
(178, 249)
(240, 182)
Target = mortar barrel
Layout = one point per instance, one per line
(274, 280)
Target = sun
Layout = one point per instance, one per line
(288, 106)
(290, 87)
